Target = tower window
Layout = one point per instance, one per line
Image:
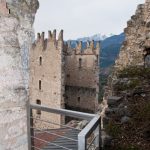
(68, 75)
(40, 84)
(39, 103)
(78, 99)
(97, 59)
(40, 61)
(80, 62)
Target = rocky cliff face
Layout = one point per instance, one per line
(16, 20)
(127, 95)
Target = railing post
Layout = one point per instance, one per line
(31, 129)
(81, 142)
(28, 126)
(100, 137)
(97, 133)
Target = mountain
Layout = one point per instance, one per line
(96, 37)
(110, 48)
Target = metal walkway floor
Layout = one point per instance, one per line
(64, 143)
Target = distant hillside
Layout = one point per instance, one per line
(110, 48)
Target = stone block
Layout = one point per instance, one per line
(113, 101)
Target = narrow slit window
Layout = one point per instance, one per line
(38, 102)
(40, 61)
(97, 60)
(80, 62)
(68, 75)
(78, 99)
(40, 84)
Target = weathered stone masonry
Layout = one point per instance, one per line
(135, 48)
(135, 52)
(16, 20)
(82, 77)
(47, 74)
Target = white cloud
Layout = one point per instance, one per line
(84, 17)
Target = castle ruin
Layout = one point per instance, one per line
(62, 76)
(135, 50)
(82, 77)
(133, 57)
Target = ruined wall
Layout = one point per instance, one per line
(16, 20)
(135, 50)
(47, 74)
(82, 77)
(134, 53)
(137, 39)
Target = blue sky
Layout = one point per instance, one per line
(79, 18)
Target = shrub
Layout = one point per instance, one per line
(132, 72)
(113, 129)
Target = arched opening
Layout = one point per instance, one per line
(39, 103)
(147, 61)
(80, 62)
(147, 58)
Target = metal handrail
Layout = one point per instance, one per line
(70, 113)
(93, 126)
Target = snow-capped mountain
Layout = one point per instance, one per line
(96, 37)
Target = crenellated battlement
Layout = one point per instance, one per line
(43, 42)
(3, 8)
(88, 48)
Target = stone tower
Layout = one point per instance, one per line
(16, 20)
(82, 77)
(47, 74)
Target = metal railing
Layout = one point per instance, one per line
(63, 136)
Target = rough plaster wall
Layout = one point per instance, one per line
(51, 75)
(81, 81)
(13, 88)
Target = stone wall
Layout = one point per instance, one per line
(137, 39)
(135, 50)
(47, 74)
(16, 20)
(134, 55)
(82, 77)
